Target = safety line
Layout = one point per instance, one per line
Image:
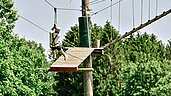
(133, 14)
(26, 20)
(142, 11)
(61, 8)
(97, 2)
(107, 7)
(35, 24)
(149, 10)
(165, 13)
(49, 4)
(157, 7)
(119, 16)
(65, 13)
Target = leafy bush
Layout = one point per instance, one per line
(137, 65)
(19, 60)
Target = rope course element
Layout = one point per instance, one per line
(65, 13)
(26, 20)
(111, 14)
(94, 1)
(55, 17)
(107, 7)
(157, 7)
(34, 24)
(119, 15)
(61, 8)
(149, 9)
(133, 14)
(73, 56)
(49, 4)
(97, 2)
(142, 11)
(165, 13)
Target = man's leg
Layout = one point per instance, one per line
(53, 53)
(59, 48)
(63, 53)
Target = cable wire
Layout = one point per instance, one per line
(106, 7)
(74, 56)
(26, 20)
(119, 15)
(133, 14)
(49, 4)
(35, 24)
(61, 8)
(94, 1)
(111, 14)
(65, 13)
(71, 9)
(157, 7)
(142, 11)
(165, 13)
(149, 10)
(97, 2)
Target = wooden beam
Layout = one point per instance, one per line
(85, 69)
(42, 68)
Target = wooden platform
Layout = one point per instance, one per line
(75, 55)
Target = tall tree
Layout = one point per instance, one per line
(19, 60)
(136, 65)
(168, 50)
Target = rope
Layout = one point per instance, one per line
(133, 14)
(96, 2)
(165, 13)
(74, 56)
(149, 10)
(65, 13)
(69, 9)
(49, 4)
(156, 7)
(26, 20)
(55, 17)
(141, 11)
(60, 8)
(111, 13)
(33, 24)
(106, 7)
(119, 15)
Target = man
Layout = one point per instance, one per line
(55, 43)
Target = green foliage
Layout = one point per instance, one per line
(147, 78)
(143, 46)
(19, 60)
(138, 65)
(72, 37)
(168, 50)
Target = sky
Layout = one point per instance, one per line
(40, 13)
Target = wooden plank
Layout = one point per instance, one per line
(96, 50)
(75, 55)
(85, 69)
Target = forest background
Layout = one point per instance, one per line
(137, 66)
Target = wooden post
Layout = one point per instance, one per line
(85, 41)
(85, 8)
